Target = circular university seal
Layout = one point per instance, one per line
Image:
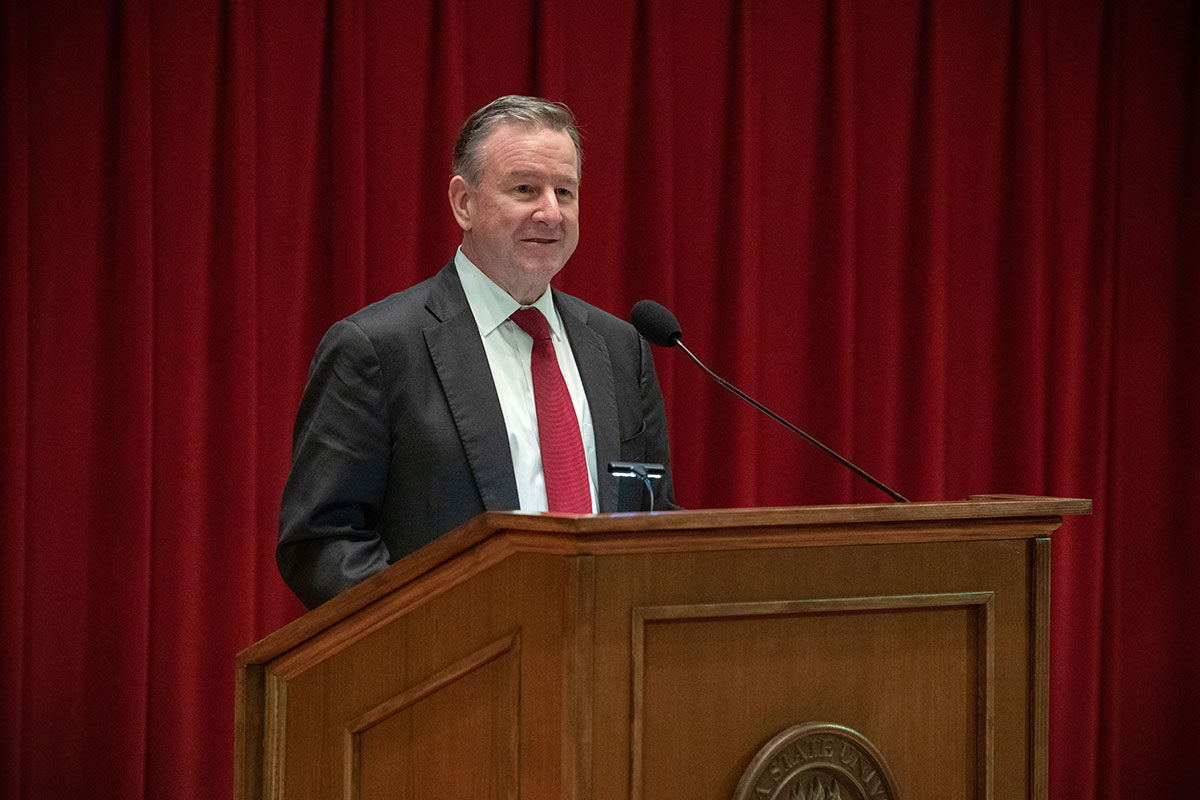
(817, 761)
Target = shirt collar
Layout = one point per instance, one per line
(491, 305)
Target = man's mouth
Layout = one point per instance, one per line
(535, 240)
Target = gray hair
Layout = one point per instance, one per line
(510, 109)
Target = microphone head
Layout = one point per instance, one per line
(655, 323)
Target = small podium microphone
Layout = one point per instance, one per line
(658, 326)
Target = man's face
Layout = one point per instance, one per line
(521, 223)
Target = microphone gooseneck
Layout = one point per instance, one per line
(659, 326)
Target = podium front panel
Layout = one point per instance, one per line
(924, 649)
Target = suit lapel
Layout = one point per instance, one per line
(595, 370)
(466, 379)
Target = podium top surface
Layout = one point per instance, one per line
(980, 517)
(978, 507)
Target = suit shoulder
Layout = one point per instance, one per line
(594, 317)
(411, 308)
(394, 306)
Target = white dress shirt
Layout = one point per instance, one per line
(508, 350)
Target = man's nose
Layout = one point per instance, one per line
(548, 210)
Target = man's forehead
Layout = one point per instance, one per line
(522, 128)
(527, 162)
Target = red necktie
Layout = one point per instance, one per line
(563, 462)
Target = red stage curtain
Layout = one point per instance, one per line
(957, 240)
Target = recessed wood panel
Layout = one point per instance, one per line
(435, 668)
(453, 736)
(910, 673)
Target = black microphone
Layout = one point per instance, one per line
(658, 326)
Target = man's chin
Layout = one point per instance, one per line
(547, 262)
(543, 273)
(539, 272)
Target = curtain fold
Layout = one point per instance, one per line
(957, 241)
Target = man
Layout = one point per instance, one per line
(435, 404)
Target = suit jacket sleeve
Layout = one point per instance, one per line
(328, 539)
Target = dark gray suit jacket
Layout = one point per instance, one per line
(400, 437)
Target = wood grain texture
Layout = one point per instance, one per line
(1040, 699)
(652, 655)
(413, 744)
(1013, 516)
(786, 648)
(248, 728)
(875, 649)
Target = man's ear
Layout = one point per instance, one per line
(460, 201)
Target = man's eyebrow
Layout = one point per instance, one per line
(524, 174)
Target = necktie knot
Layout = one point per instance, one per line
(532, 322)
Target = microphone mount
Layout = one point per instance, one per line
(643, 472)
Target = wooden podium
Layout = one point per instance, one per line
(652, 656)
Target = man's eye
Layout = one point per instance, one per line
(566, 193)
(524, 188)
